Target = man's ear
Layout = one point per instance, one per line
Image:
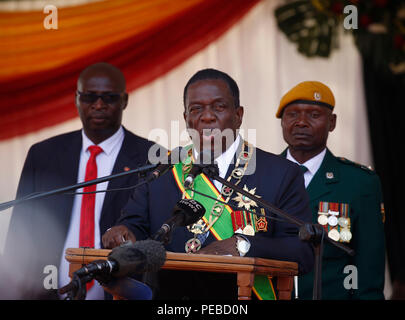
(239, 114)
(185, 116)
(124, 101)
(77, 100)
(332, 120)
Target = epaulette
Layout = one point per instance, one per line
(369, 169)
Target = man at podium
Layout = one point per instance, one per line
(213, 116)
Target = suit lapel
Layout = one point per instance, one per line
(68, 161)
(232, 166)
(69, 158)
(327, 174)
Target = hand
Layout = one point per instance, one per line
(116, 235)
(221, 247)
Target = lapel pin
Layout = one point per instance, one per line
(329, 175)
(126, 168)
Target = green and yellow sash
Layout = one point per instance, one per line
(222, 228)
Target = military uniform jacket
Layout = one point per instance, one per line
(346, 186)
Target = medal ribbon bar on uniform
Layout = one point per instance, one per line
(237, 221)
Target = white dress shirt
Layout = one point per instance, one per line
(105, 163)
(312, 165)
(223, 161)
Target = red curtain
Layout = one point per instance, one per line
(36, 100)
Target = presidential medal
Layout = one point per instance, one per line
(249, 230)
(244, 201)
(238, 173)
(192, 245)
(217, 209)
(198, 227)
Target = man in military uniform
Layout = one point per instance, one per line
(345, 198)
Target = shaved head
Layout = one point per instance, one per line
(101, 100)
(102, 69)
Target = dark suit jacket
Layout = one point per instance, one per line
(38, 229)
(339, 180)
(277, 180)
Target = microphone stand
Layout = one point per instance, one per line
(6, 205)
(76, 289)
(313, 233)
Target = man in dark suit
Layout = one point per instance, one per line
(213, 117)
(345, 198)
(41, 230)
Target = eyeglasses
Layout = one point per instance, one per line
(108, 98)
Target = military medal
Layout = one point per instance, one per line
(237, 221)
(333, 221)
(322, 219)
(249, 230)
(261, 224)
(345, 235)
(323, 213)
(344, 223)
(334, 234)
(333, 212)
(192, 245)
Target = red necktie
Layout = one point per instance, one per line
(86, 237)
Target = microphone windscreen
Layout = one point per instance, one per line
(142, 256)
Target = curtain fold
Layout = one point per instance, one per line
(155, 37)
(385, 95)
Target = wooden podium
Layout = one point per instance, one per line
(244, 267)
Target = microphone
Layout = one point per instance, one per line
(125, 260)
(198, 167)
(174, 156)
(186, 212)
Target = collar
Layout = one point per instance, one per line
(225, 159)
(312, 164)
(108, 144)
